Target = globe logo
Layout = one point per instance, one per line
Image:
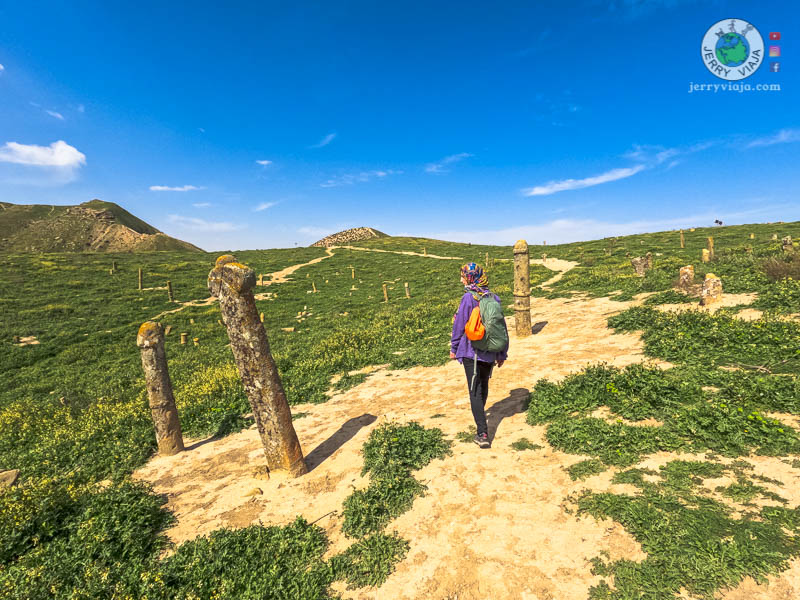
(732, 49)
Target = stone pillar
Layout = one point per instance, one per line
(682, 242)
(352, 273)
(159, 389)
(704, 255)
(385, 295)
(140, 279)
(233, 283)
(544, 258)
(639, 264)
(774, 236)
(522, 288)
(648, 261)
(686, 278)
(712, 290)
(408, 293)
(170, 295)
(710, 243)
(752, 236)
(184, 337)
(786, 243)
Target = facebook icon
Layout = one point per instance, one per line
(775, 67)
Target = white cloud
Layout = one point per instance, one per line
(362, 177)
(324, 141)
(784, 136)
(58, 154)
(264, 163)
(181, 188)
(573, 184)
(264, 206)
(201, 204)
(55, 115)
(2, 68)
(439, 167)
(196, 224)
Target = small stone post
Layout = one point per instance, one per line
(648, 261)
(710, 243)
(712, 290)
(786, 243)
(544, 258)
(544, 243)
(752, 236)
(313, 287)
(352, 273)
(184, 337)
(385, 295)
(683, 245)
(486, 262)
(686, 278)
(704, 255)
(774, 236)
(233, 283)
(170, 295)
(639, 264)
(113, 265)
(424, 251)
(159, 389)
(522, 288)
(408, 294)
(140, 279)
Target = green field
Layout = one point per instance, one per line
(73, 410)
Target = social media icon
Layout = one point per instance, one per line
(775, 67)
(774, 50)
(775, 35)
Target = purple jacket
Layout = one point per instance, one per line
(460, 344)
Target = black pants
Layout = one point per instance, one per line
(479, 391)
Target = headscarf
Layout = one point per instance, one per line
(477, 282)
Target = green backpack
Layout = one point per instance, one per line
(496, 337)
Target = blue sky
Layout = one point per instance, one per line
(265, 125)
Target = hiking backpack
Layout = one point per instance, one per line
(487, 316)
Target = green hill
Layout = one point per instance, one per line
(94, 226)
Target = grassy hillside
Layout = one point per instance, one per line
(73, 408)
(92, 226)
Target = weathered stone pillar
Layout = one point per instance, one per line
(752, 236)
(159, 389)
(233, 283)
(704, 255)
(385, 295)
(710, 243)
(648, 261)
(786, 243)
(140, 279)
(686, 278)
(170, 295)
(774, 236)
(682, 243)
(408, 293)
(712, 290)
(639, 264)
(522, 288)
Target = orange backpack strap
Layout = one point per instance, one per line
(474, 328)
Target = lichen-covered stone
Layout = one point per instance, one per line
(639, 264)
(705, 255)
(686, 278)
(169, 437)
(787, 245)
(712, 290)
(233, 283)
(9, 477)
(522, 289)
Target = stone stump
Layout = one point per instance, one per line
(648, 261)
(522, 288)
(233, 283)
(712, 290)
(639, 264)
(786, 243)
(159, 389)
(686, 278)
(704, 255)
(710, 245)
(682, 242)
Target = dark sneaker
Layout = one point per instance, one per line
(482, 440)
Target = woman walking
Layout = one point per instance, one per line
(478, 364)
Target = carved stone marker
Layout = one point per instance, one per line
(639, 264)
(710, 243)
(159, 389)
(544, 258)
(704, 255)
(522, 288)
(184, 337)
(385, 295)
(408, 293)
(686, 278)
(682, 242)
(233, 283)
(787, 244)
(170, 295)
(712, 290)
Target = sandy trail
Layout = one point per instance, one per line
(492, 524)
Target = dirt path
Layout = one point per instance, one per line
(276, 277)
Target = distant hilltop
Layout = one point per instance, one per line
(94, 226)
(357, 234)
